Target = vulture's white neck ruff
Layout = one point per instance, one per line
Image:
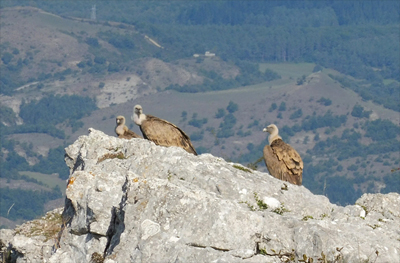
(273, 134)
(272, 138)
(138, 118)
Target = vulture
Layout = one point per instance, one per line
(122, 131)
(282, 161)
(160, 131)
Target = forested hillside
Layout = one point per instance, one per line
(326, 72)
(362, 43)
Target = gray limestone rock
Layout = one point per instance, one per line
(133, 201)
(33, 241)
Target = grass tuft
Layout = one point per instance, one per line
(118, 155)
(242, 168)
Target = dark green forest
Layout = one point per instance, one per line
(25, 205)
(357, 38)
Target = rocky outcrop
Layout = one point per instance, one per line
(133, 201)
(34, 241)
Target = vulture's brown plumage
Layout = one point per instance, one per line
(160, 131)
(283, 162)
(122, 131)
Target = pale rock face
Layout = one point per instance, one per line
(133, 201)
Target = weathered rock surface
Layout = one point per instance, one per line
(33, 241)
(133, 201)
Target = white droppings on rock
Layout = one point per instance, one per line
(243, 191)
(272, 203)
(362, 213)
(174, 239)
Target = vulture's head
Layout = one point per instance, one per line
(120, 120)
(138, 110)
(271, 129)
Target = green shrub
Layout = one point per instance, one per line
(380, 130)
(282, 106)
(297, 114)
(358, 111)
(232, 107)
(220, 113)
(324, 101)
(7, 57)
(197, 136)
(92, 41)
(273, 107)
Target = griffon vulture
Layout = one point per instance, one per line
(283, 162)
(160, 131)
(122, 131)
